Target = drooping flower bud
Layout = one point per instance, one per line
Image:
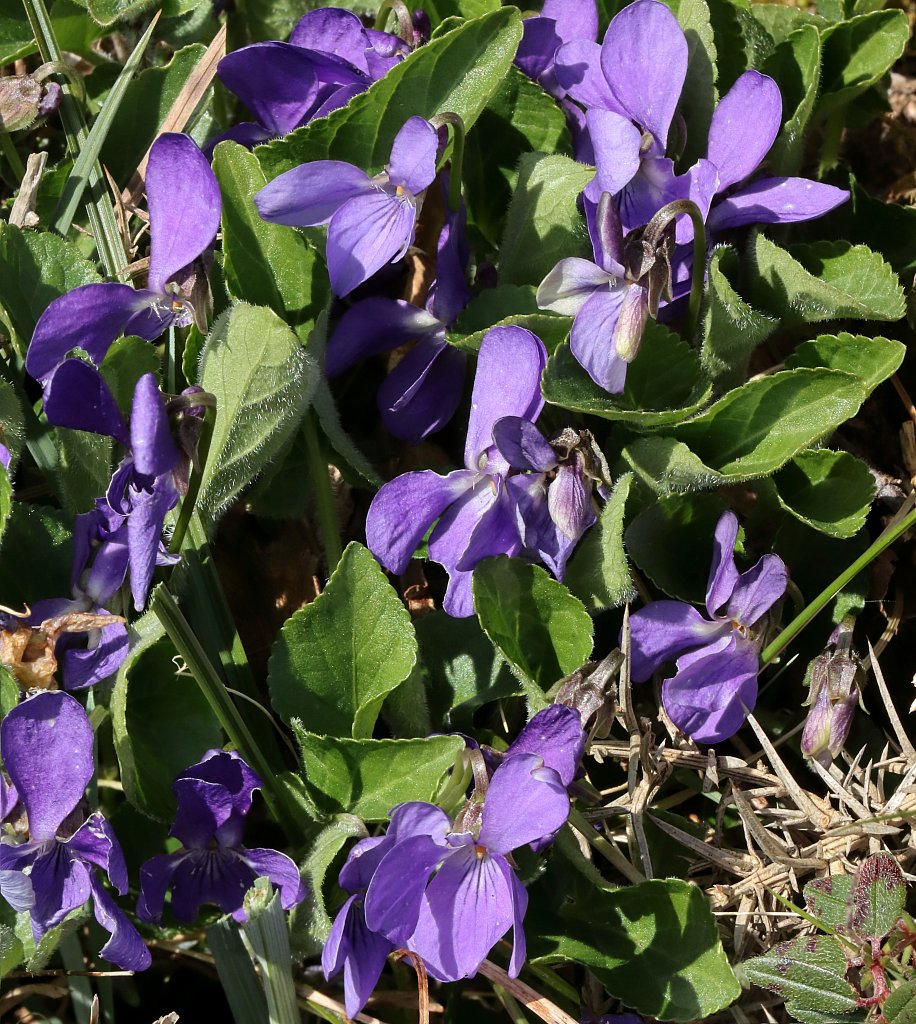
(833, 696)
(20, 102)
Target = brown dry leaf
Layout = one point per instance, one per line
(28, 651)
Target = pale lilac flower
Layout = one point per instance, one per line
(371, 221)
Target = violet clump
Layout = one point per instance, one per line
(47, 744)
(716, 676)
(371, 220)
(214, 797)
(184, 213)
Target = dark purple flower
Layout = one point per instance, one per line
(371, 221)
(47, 744)
(474, 506)
(610, 306)
(184, 212)
(123, 533)
(453, 918)
(716, 657)
(743, 129)
(214, 796)
(329, 59)
(422, 392)
(351, 946)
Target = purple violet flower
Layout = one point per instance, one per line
(351, 946)
(609, 306)
(184, 212)
(214, 796)
(329, 59)
(371, 221)
(716, 657)
(630, 87)
(453, 918)
(422, 392)
(560, 22)
(47, 746)
(743, 129)
(475, 508)
(123, 533)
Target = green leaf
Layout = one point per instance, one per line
(664, 383)
(266, 264)
(368, 777)
(11, 951)
(6, 499)
(463, 669)
(459, 72)
(872, 360)
(149, 697)
(795, 65)
(90, 148)
(858, 53)
(667, 466)
(654, 946)
(809, 973)
(877, 896)
(734, 50)
(758, 427)
(780, 22)
(337, 659)
(824, 281)
(671, 542)
(521, 118)
(598, 573)
(543, 223)
(698, 98)
(263, 382)
(12, 423)
(731, 329)
(83, 467)
(16, 39)
(830, 491)
(310, 922)
(36, 555)
(900, 1005)
(537, 625)
(36, 267)
(143, 110)
(827, 899)
(124, 364)
(107, 12)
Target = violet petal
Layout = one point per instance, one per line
(744, 126)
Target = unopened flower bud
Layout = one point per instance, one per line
(20, 102)
(833, 696)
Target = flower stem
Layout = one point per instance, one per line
(896, 528)
(268, 933)
(405, 22)
(456, 123)
(325, 504)
(652, 234)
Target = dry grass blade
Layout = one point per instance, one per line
(23, 213)
(422, 981)
(182, 110)
(803, 802)
(736, 863)
(841, 791)
(527, 996)
(909, 752)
